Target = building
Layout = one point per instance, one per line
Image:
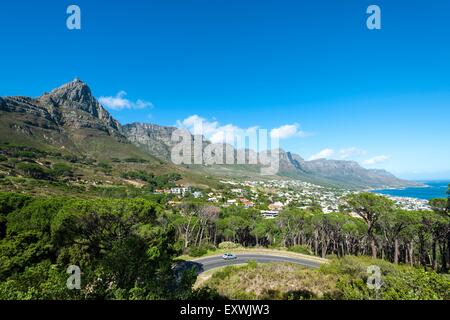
(269, 214)
(197, 194)
(179, 191)
(276, 206)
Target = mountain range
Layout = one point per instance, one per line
(71, 119)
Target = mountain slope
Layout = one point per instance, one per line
(156, 140)
(68, 119)
(347, 173)
(152, 138)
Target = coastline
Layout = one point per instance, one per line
(431, 189)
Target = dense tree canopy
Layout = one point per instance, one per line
(125, 249)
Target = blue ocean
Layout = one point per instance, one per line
(432, 189)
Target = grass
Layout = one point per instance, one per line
(340, 279)
(281, 281)
(87, 171)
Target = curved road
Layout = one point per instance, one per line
(213, 262)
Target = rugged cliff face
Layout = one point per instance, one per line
(157, 141)
(152, 138)
(73, 105)
(68, 118)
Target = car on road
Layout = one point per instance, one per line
(229, 256)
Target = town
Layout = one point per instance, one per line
(270, 197)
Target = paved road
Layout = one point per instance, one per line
(213, 262)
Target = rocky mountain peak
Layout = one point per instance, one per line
(73, 104)
(76, 91)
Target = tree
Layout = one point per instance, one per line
(125, 249)
(442, 207)
(33, 170)
(207, 216)
(393, 224)
(369, 207)
(62, 170)
(187, 221)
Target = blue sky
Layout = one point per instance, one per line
(379, 97)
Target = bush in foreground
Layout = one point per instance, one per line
(124, 248)
(272, 282)
(341, 279)
(227, 245)
(399, 282)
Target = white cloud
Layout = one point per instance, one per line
(325, 153)
(213, 130)
(219, 133)
(119, 102)
(287, 131)
(199, 125)
(376, 160)
(351, 152)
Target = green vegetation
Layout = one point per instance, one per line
(105, 167)
(33, 170)
(300, 249)
(62, 170)
(49, 172)
(123, 247)
(271, 282)
(342, 279)
(200, 250)
(227, 245)
(105, 217)
(37, 171)
(414, 238)
(398, 282)
(135, 160)
(153, 182)
(126, 249)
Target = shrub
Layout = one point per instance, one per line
(135, 160)
(12, 201)
(71, 158)
(205, 293)
(398, 282)
(271, 281)
(105, 167)
(138, 175)
(26, 154)
(229, 245)
(167, 180)
(21, 151)
(62, 170)
(3, 158)
(197, 251)
(300, 249)
(33, 170)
